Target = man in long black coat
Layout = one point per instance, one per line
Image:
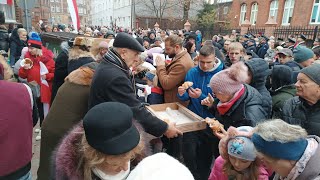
(112, 82)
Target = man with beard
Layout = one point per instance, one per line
(111, 82)
(171, 76)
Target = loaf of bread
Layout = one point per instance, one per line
(187, 84)
(215, 125)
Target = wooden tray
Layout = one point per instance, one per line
(187, 121)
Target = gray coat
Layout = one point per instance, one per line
(297, 111)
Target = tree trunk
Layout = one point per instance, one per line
(186, 8)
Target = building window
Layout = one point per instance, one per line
(57, 0)
(51, 0)
(57, 9)
(288, 12)
(254, 13)
(9, 12)
(274, 9)
(243, 11)
(315, 16)
(53, 9)
(225, 10)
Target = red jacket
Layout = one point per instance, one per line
(33, 74)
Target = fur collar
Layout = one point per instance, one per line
(67, 155)
(82, 76)
(76, 53)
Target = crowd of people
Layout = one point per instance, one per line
(90, 105)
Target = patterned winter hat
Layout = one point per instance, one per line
(242, 147)
(34, 40)
(228, 81)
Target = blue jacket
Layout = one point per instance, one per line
(200, 80)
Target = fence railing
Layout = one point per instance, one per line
(208, 33)
(310, 32)
(256, 30)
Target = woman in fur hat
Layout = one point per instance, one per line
(80, 53)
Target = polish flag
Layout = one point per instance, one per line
(73, 9)
(9, 2)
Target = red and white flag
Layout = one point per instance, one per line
(73, 9)
(9, 2)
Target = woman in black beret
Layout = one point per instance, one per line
(100, 147)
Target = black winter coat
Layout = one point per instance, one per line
(4, 40)
(16, 46)
(246, 111)
(111, 82)
(297, 111)
(60, 72)
(260, 71)
(76, 63)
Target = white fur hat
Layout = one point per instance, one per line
(160, 166)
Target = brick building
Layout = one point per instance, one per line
(286, 12)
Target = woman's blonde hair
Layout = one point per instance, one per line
(91, 158)
(21, 30)
(253, 169)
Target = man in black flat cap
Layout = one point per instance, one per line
(301, 40)
(290, 43)
(281, 42)
(112, 82)
(316, 43)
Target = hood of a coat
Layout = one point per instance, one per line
(65, 47)
(81, 76)
(250, 97)
(76, 53)
(15, 36)
(260, 71)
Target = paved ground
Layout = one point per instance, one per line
(36, 155)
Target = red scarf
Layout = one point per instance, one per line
(224, 107)
(157, 90)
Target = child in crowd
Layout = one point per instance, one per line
(153, 93)
(238, 158)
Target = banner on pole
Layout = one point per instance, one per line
(73, 9)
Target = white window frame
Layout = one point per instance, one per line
(287, 12)
(51, 0)
(254, 13)
(243, 13)
(317, 20)
(225, 10)
(5, 8)
(274, 5)
(53, 9)
(58, 9)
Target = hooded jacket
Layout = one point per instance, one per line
(77, 58)
(246, 111)
(200, 80)
(260, 71)
(279, 97)
(68, 108)
(61, 68)
(4, 40)
(112, 82)
(297, 111)
(16, 46)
